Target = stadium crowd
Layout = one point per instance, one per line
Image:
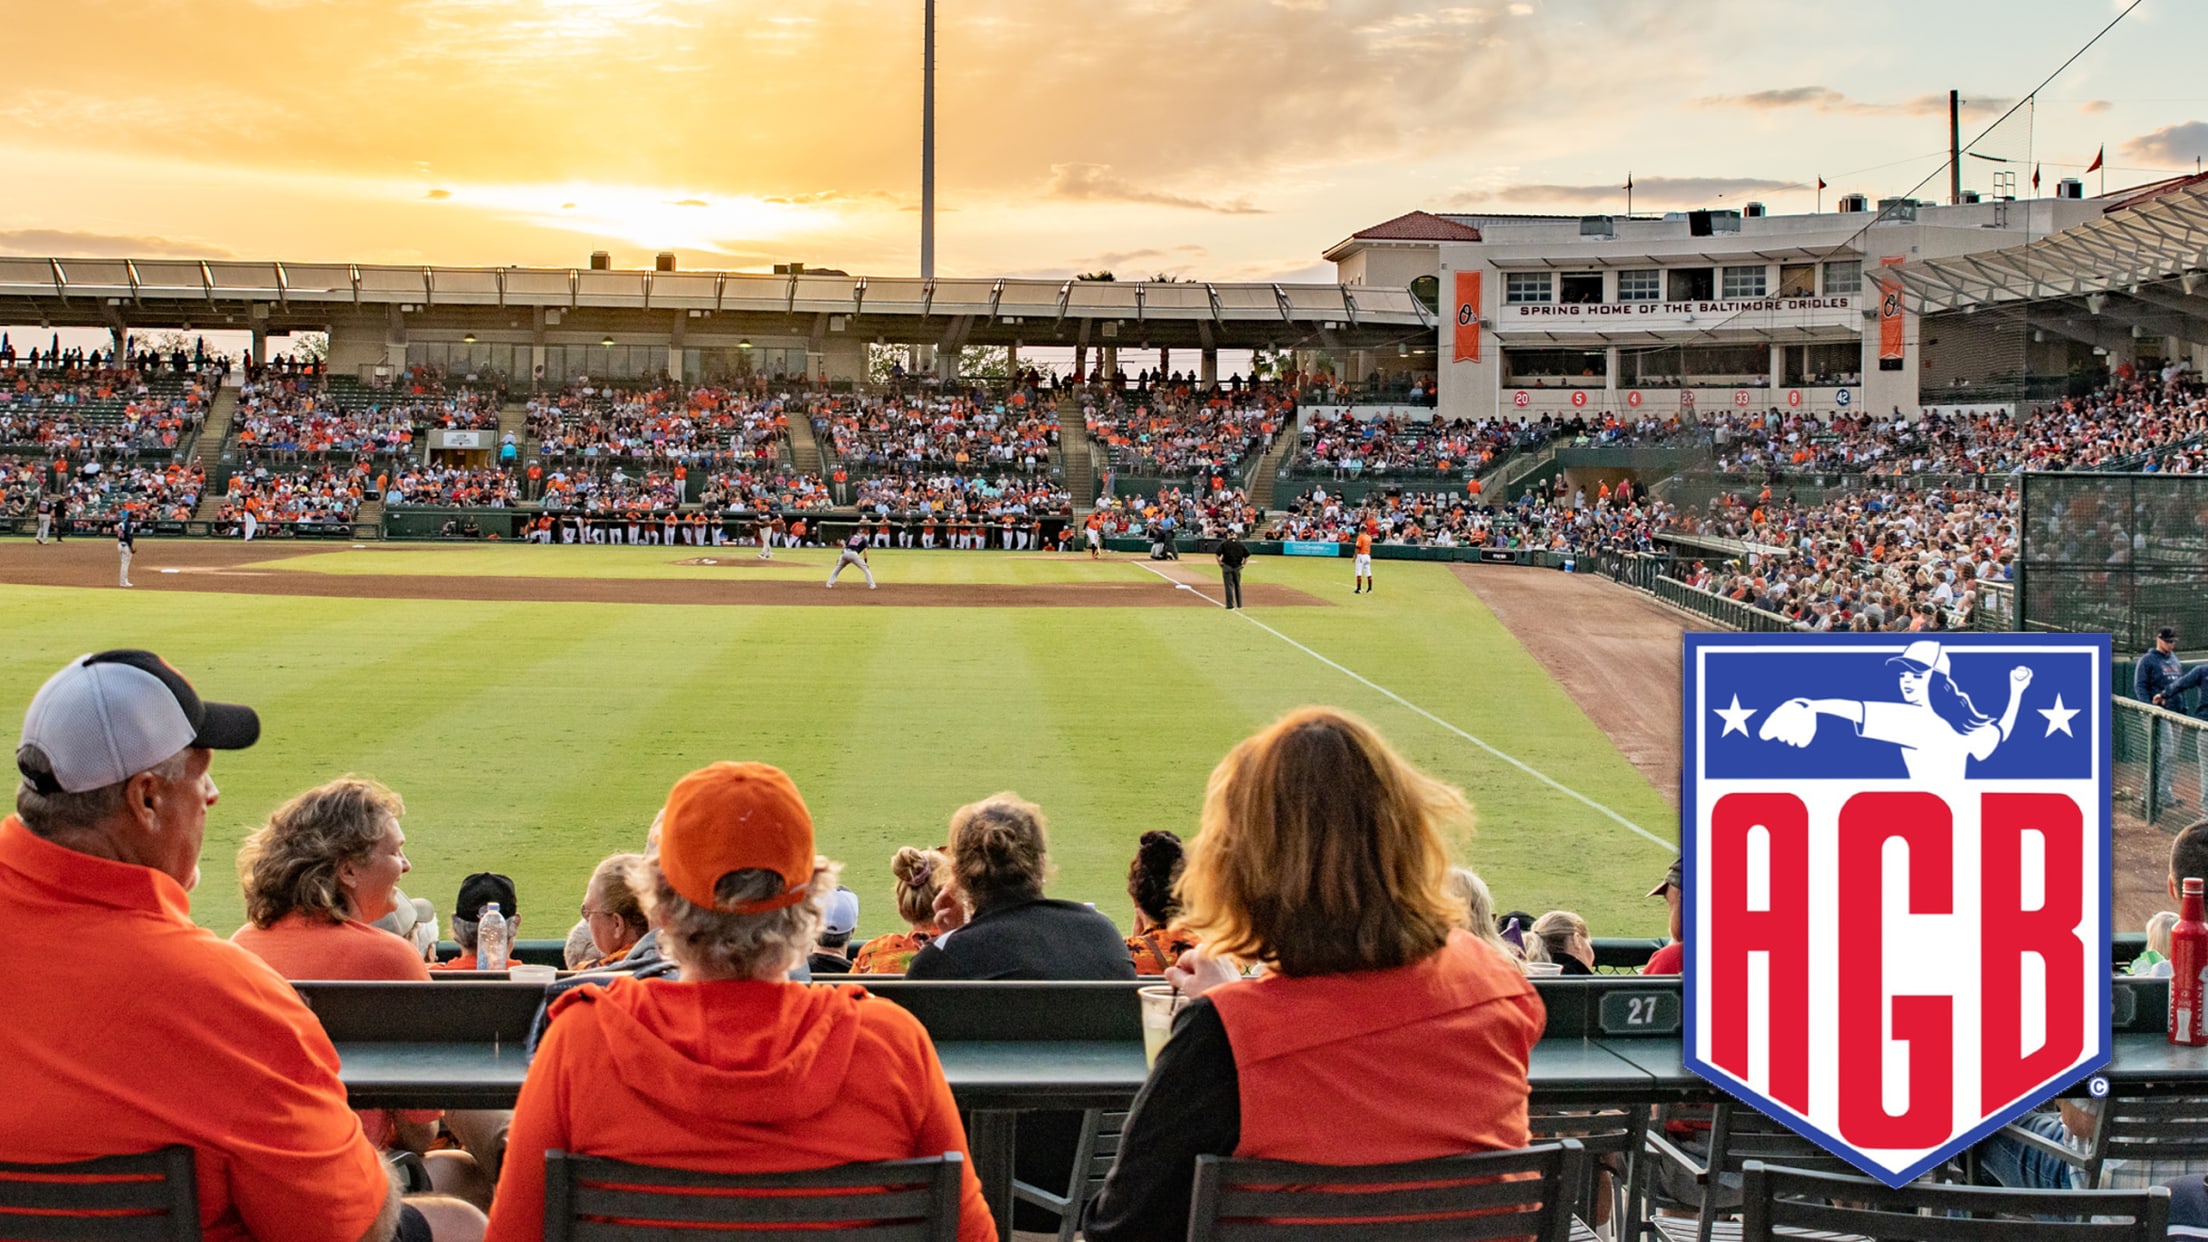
(456, 487)
(1887, 559)
(612, 492)
(21, 484)
(700, 424)
(763, 489)
(324, 495)
(718, 923)
(937, 432)
(1179, 430)
(283, 416)
(1350, 447)
(168, 493)
(83, 410)
(955, 495)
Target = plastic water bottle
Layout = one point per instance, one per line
(491, 942)
(2188, 960)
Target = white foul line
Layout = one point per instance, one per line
(1512, 760)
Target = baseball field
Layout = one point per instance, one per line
(533, 704)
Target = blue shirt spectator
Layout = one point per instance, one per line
(2155, 680)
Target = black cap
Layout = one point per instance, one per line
(2168, 631)
(480, 890)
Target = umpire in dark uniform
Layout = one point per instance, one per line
(1231, 555)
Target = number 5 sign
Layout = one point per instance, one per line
(1579, 396)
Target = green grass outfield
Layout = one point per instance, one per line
(534, 738)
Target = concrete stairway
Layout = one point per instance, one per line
(207, 452)
(1268, 468)
(208, 447)
(513, 420)
(805, 452)
(1073, 452)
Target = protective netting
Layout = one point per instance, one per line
(2123, 554)
(2160, 776)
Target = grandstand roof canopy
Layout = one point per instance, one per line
(291, 297)
(2156, 235)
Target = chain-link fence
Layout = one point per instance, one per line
(2161, 771)
(2121, 553)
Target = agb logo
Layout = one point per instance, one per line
(1896, 857)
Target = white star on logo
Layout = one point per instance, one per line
(2058, 717)
(1735, 717)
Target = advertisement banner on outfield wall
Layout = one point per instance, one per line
(1849, 800)
(1468, 317)
(1310, 547)
(1889, 312)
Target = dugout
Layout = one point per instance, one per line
(2122, 553)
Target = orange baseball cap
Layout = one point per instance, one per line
(736, 817)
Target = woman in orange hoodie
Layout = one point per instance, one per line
(731, 1068)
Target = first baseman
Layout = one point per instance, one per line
(854, 553)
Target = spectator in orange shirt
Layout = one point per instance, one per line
(325, 866)
(794, 1077)
(919, 875)
(221, 1055)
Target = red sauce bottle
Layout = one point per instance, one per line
(2188, 962)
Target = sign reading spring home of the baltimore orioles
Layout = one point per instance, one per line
(1897, 881)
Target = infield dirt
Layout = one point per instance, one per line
(236, 568)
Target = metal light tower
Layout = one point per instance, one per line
(927, 147)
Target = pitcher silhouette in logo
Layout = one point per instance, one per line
(1936, 725)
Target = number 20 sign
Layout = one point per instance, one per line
(1896, 881)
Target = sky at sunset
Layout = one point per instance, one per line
(1216, 139)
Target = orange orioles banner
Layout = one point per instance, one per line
(1889, 312)
(1468, 317)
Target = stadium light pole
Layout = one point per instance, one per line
(927, 145)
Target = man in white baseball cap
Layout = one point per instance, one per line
(156, 1032)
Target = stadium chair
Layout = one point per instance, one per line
(1484, 1196)
(587, 1199)
(2169, 1129)
(148, 1198)
(1738, 1134)
(1788, 1203)
(1092, 1159)
(1605, 1132)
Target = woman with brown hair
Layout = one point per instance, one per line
(1322, 857)
(325, 866)
(1000, 859)
(920, 876)
(1159, 940)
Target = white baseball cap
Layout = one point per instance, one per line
(109, 716)
(1922, 655)
(840, 916)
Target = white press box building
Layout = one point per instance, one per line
(1739, 309)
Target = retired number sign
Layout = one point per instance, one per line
(1896, 881)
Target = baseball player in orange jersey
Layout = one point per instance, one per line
(1364, 562)
(1096, 535)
